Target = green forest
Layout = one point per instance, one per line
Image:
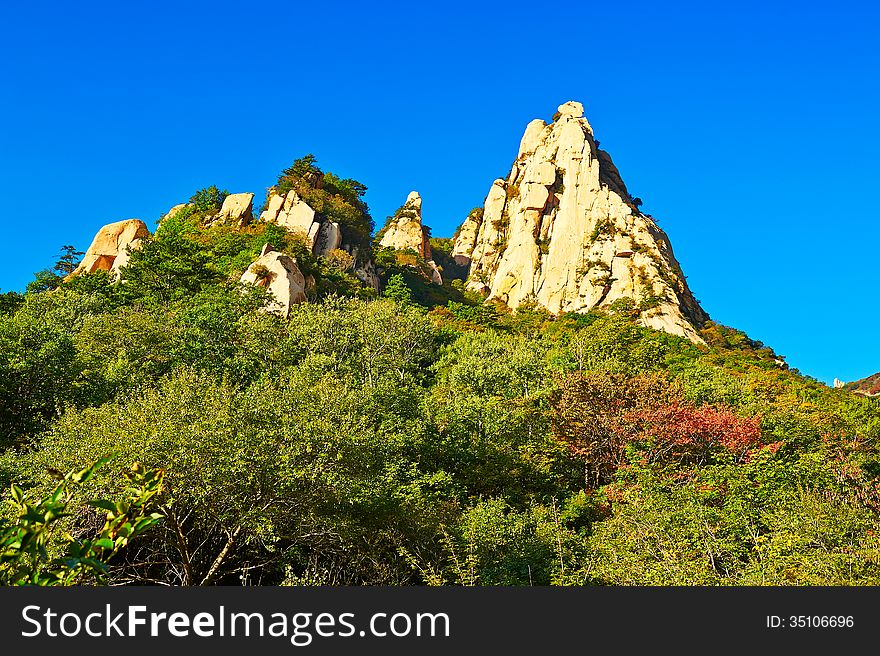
(166, 429)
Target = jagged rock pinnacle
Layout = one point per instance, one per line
(404, 231)
(563, 230)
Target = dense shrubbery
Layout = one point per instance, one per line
(422, 440)
(27, 538)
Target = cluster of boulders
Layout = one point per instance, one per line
(322, 236)
(292, 212)
(561, 230)
(278, 272)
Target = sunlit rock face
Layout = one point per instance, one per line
(405, 231)
(280, 275)
(562, 230)
(236, 209)
(110, 244)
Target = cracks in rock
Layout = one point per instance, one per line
(607, 288)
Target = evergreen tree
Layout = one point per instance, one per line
(68, 261)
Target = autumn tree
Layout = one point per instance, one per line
(591, 416)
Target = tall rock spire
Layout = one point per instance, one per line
(563, 230)
(404, 231)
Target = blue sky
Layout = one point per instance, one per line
(750, 130)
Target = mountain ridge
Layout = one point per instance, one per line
(313, 429)
(561, 231)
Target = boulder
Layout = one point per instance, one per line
(236, 210)
(295, 214)
(280, 275)
(436, 278)
(289, 211)
(327, 238)
(273, 205)
(174, 210)
(312, 236)
(110, 242)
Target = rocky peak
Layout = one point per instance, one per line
(562, 230)
(404, 230)
(413, 199)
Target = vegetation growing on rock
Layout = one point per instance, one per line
(335, 199)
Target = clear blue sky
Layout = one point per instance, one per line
(750, 130)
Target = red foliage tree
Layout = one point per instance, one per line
(599, 415)
(685, 433)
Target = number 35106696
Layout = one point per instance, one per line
(810, 622)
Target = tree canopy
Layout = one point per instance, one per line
(411, 439)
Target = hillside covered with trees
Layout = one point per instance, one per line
(413, 435)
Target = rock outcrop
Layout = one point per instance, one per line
(123, 258)
(236, 209)
(290, 211)
(110, 244)
(466, 237)
(280, 275)
(174, 210)
(325, 237)
(563, 230)
(404, 231)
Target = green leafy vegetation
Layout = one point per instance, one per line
(417, 437)
(68, 260)
(869, 386)
(33, 553)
